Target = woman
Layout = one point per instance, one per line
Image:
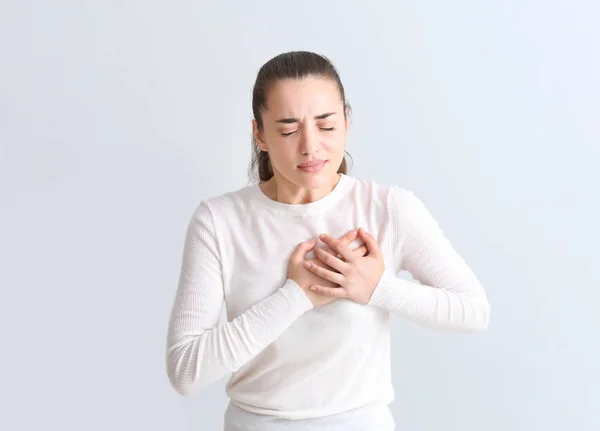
(305, 263)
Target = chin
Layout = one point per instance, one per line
(313, 181)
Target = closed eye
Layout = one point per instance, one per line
(326, 129)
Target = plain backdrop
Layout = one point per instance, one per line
(118, 117)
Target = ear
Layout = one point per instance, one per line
(346, 125)
(347, 119)
(258, 136)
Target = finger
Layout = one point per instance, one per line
(346, 239)
(336, 246)
(361, 251)
(334, 277)
(337, 292)
(303, 248)
(330, 251)
(333, 261)
(371, 243)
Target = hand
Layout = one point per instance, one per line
(305, 279)
(356, 276)
(350, 236)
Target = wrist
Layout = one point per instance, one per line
(298, 295)
(374, 285)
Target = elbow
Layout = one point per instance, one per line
(182, 389)
(187, 387)
(180, 385)
(182, 375)
(474, 317)
(485, 314)
(480, 319)
(187, 371)
(184, 386)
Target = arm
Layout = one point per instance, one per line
(199, 352)
(449, 296)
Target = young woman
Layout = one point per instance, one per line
(306, 264)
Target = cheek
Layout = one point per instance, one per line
(281, 150)
(335, 143)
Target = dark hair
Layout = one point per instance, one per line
(297, 65)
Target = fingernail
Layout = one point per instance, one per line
(322, 236)
(313, 288)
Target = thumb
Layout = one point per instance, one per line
(303, 248)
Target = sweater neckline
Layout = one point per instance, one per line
(311, 208)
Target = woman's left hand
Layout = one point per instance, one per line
(357, 276)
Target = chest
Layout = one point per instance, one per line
(257, 253)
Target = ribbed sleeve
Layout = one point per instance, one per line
(199, 351)
(448, 295)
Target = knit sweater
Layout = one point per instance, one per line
(285, 358)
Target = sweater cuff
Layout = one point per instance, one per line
(386, 292)
(297, 300)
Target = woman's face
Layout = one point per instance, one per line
(304, 131)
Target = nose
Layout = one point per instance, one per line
(309, 141)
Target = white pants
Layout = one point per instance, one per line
(368, 419)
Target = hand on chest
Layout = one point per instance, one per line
(259, 267)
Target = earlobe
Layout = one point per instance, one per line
(258, 136)
(261, 143)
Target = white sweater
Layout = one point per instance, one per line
(285, 358)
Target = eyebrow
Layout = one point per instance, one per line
(295, 120)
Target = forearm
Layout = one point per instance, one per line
(197, 358)
(434, 307)
(446, 295)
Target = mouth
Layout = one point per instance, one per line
(312, 163)
(312, 166)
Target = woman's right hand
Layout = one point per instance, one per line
(305, 278)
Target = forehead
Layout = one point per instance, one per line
(306, 96)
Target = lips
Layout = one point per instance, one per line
(312, 164)
(312, 167)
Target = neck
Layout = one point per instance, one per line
(282, 190)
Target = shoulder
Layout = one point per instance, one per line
(393, 195)
(402, 203)
(223, 205)
(229, 201)
(371, 190)
(410, 213)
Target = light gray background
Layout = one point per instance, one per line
(118, 117)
